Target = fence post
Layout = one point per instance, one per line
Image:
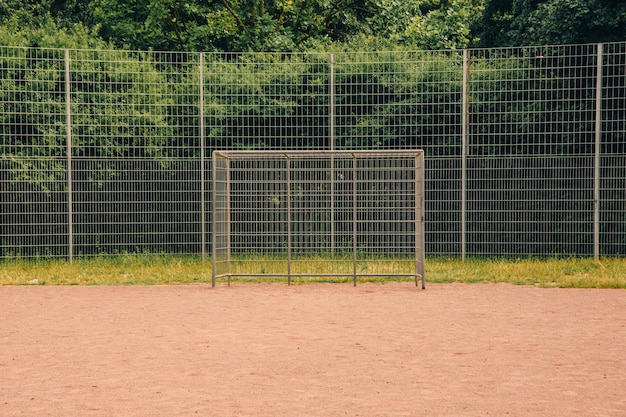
(214, 223)
(331, 139)
(202, 157)
(597, 150)
(68, 150)
(464, 149)
(331, 103)
(288, 180)
(354, 216)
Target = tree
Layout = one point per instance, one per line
(444, 24)
(231, 25)
(537, 22)
(258, 25)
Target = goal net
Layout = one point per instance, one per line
(318, 215)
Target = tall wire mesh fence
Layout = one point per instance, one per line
(107, 152)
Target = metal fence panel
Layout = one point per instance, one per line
(533, 100)
(399, 100)
(104, 151)
(530, 205)
(267, 101)
(34, 210)
(152, 206)
(612, 226)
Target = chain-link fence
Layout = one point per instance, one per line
(105, 152)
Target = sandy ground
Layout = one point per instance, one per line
(312, 350)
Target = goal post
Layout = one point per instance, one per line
(318, 214)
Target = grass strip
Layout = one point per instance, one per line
(172, 269)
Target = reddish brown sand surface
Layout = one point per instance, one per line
(312, 350)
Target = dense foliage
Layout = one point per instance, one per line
(296, 25)
(551, 22)
(253, 25)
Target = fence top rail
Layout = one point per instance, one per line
(307, 53)
(321, 153)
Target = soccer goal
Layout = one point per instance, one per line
(318, 215)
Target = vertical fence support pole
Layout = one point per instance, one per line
(214, 239)
(202, 158)
(464, 149)
(228, 220)
(354, 213)
(288, 180)
(597, 150)
(331, 140)
(68, 145)
(420, 229)
(331, 103)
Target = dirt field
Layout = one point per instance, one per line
(312, 350)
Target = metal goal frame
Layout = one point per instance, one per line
(318, 214)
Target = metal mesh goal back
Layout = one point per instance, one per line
(318, 215)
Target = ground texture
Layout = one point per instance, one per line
(312, 350)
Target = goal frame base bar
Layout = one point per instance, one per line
(418, 278)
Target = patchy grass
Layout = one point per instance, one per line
(118, 270)
(564, 273)
(169, 269)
